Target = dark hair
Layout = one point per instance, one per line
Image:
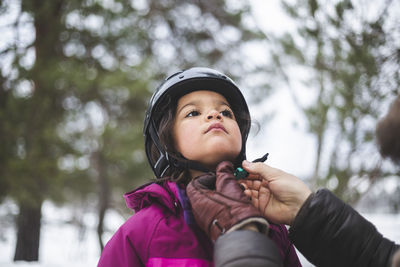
(165, 115)
(388, 133)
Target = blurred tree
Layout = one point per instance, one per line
(75, 79)
(349, 55)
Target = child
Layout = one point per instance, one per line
(196, 119)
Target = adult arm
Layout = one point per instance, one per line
(324, 229)
(328, 232)
(246, 248)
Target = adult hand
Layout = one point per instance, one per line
(277, 194)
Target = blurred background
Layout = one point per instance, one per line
(76, 77)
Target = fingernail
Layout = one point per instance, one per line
(242, 187)
(246, 163)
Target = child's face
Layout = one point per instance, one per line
(205, 129)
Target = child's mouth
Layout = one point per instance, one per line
(216, 127)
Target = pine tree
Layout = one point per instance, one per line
(76, 77)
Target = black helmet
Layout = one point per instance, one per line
(182, 83)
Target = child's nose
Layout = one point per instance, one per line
(214, 115)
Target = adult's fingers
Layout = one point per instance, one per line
(259, 169)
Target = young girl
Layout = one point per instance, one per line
(196, 119)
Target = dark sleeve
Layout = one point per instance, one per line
(329, 232)
(246, 248)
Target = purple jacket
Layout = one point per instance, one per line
(162, 232)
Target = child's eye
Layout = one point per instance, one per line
(193, 113)
(227, 113)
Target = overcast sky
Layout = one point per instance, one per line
(285, 137)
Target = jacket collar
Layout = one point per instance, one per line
(150, 193)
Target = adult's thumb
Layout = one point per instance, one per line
(251, 167)
(258, 168)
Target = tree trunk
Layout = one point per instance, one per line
(38, 128)
(28, 236)
(104, 194)
(317, 159)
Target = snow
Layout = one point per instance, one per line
(64, 244)
(61, 244)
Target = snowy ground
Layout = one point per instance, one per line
(63, 244)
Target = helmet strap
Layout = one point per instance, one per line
(188, 164)
(162, 164)
(165, 160)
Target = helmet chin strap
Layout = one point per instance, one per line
(187, 164)
(166, 160)
(195, 165)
